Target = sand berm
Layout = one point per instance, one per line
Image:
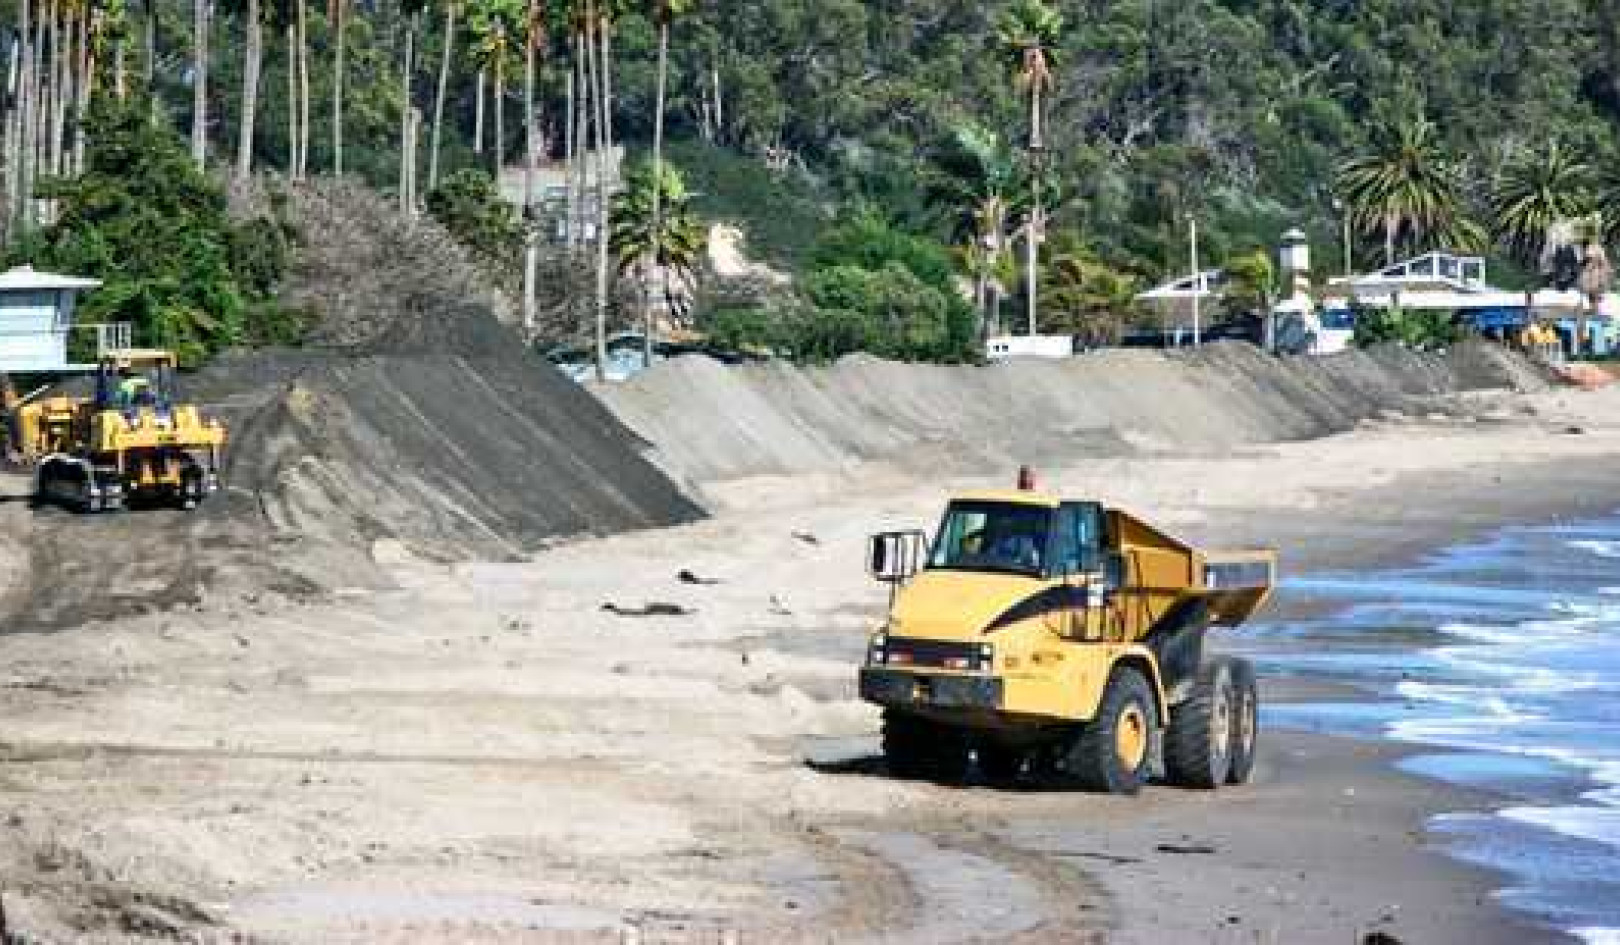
(417, 424)
(713, 423)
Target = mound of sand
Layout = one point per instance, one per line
(455, 456)
(416, 413)
(713, 423)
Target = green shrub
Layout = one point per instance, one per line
(1421, 330)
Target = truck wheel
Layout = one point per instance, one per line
(1198, 747)
(1245, 721)
(1111, 754)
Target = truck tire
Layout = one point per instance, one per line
(1245, 721)
(1198, 746)
(1111, 754)
(916, 749)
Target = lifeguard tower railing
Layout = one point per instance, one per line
(62, 349)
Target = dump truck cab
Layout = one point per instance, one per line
(1030, 623)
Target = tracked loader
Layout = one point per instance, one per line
(1040, 638)
(132, 441)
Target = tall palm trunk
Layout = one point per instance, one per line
(572, 146)
(305, 98)
(1037, 138)
(442, 93)
(593, 74)
(199, 82)
(1032, 249)
(17, 127)
(656, 263)
(85, 87)
(532, 39)
(120, 69)
(478, 114)
(604, 108)
(407, 153)
(339, 53)
(61, 53)
(34, 124)
(498, 158)
(604, 35)
(149, 66)
(291, 41)
(253, 60)
(531, 141)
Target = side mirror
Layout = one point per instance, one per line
(896, 557)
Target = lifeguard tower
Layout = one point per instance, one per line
(37, 319)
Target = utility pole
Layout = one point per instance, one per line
(1198, 282)
(1033, 248)
(1344, 219)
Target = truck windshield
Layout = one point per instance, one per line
(986, 536)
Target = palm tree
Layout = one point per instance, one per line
(597, 22)
(252, 63)
(979, 181)
(1597, 276)
(493, 24)
(306, 100)
(1406, 189)
(534, 44)
(201, 12)
(337, 14)
(1028, 33)
(412, 9)
(284, 17)
(664, 13)
(653, 230)
(1535, 194)
(445, 58)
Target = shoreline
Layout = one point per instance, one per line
(484, 750)
(1563, 495)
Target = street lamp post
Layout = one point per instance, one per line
(1344, 218)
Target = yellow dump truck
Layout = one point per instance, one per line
(132, 440)
(1036, 637)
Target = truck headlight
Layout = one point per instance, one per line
(877, 651)
(987, 657)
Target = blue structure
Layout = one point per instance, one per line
(36, 317)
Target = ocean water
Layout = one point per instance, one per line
(1501, 660)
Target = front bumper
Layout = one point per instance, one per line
(899, 689)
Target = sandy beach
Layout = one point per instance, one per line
(482, 753)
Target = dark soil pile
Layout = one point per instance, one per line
(456, 456)
(415, 416)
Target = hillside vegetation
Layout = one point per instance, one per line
(797, 116)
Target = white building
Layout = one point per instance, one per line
(1447, 282)
(36, 319)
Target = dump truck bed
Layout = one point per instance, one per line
(1237, 583)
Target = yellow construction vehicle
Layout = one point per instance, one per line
(133, 441)
(1043, 638)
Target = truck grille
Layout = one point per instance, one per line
(935, 654)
